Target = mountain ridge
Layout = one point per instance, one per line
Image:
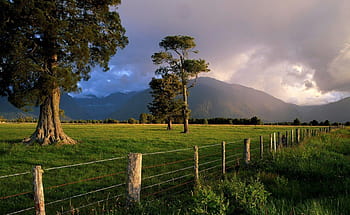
(209, 98)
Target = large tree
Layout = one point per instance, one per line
(50, 45)
(165, 104)
(175, 59)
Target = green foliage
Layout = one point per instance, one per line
(245, 196)
(206, 201)
(229, 121)
(133, 121)
(50, 44)
(296, 122)
(146, 118)
(2, 119)
(165, 104)
(174, 61)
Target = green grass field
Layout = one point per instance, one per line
(106, 141)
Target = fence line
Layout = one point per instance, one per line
(14, 195)
(82, 164)
(165, 164)
(90, 204)
(170, 188)
(203, 147)
(83, 180)
(213, 167)
(170, 151)
(283, 140)
(16, 174)
(167, 173)
(167, 181)
(84, 194)
(24, 210)
(209, 162)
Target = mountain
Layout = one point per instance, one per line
(133, 107)
(335, 112)
(101, 108)
(208, 99)
(212, 98)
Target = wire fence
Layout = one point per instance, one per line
(168, 172)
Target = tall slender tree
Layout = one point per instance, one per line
(165, 104)
(50, 45)
(174, 59)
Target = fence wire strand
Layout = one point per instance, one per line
(20, 211)
(93, 203)
(167, 181)
(210, 168)
(81, 164)
(83, 180)
(84, 194)
(16, 174)
(201, 164)
(166, 173)
(14, 195)
(163, 152)
(170, 188)
(203, 147)
(230, 156)
(165, 164)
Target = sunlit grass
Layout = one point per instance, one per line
(104, 141)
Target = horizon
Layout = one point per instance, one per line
(91, 96)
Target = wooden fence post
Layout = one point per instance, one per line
(297, 135)
(291, 137)
(261, 147)
(196, 166)
(223, 153)
(287, 138)
(134, 178)
(271, 143)
(38, 191)
(246, 151)
(274, 142)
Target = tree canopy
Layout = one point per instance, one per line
(165, 104)
(49, 45)
(175, 59)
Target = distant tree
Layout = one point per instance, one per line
(314, 122)
(296, 122)
(174, 59)
(49, 46)
(2, 119)
(133, 121)
(165, 104)
(326, 123)
(145, 118)
(255, 121)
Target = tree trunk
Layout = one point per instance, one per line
(185, 108)
(49, 129)
(170, 124)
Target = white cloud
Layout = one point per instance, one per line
(292, 49)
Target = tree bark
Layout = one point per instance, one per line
(170, 124)
(185, 108)
(49, 129)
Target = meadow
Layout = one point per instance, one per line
(105, 141)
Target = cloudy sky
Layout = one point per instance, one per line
(295, 50)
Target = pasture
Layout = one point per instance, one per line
(103, 142)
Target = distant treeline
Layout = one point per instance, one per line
(146, 118)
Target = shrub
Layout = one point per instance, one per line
(247, 197)
(206, 201)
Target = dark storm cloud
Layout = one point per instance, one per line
(252, 42)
